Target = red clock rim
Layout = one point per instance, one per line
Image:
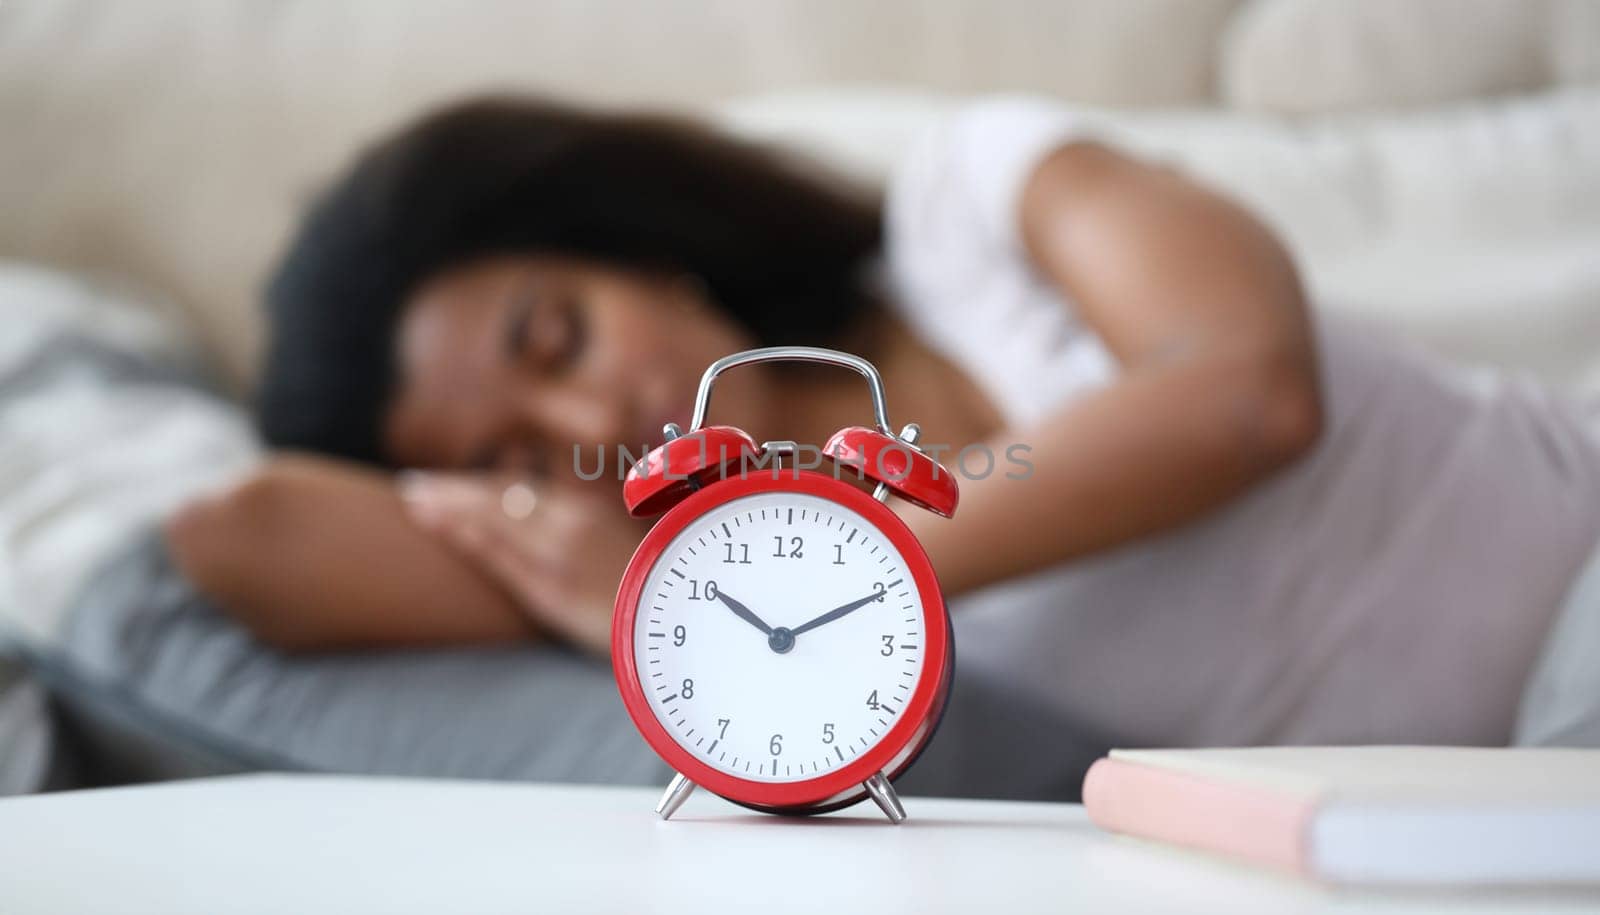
(828, 784)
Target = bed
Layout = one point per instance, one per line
(1456, 203)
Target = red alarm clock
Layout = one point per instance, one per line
(779, 636)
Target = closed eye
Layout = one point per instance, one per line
(518, 323)
(542, 332)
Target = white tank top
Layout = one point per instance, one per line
(1394, 586)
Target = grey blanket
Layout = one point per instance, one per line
(187, 691)
(27, 733)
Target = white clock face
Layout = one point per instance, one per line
(779, 636)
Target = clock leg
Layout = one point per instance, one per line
(883, 793)
(678, 791)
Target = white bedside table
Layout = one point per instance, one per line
(305, 844)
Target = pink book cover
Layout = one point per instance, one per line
(1365, 814)
(1257, 824)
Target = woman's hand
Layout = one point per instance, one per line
(313, 554)
(558, 548)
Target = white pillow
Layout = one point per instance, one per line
(1329, 55)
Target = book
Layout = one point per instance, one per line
(1366, 815)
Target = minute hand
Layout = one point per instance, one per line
(837, 612)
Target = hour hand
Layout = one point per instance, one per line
(837, 612)
(744, 613)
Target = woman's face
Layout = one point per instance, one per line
(507, 363)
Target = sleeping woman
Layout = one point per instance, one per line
(1242, 524)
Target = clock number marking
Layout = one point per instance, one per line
(723, 723)
(686, 690)
(679, 635)
(888, 645)
(775, 747)
(827, 733)
(744, 559)
(838, 554)
(872, 700)
(795, 546)
(707, 593)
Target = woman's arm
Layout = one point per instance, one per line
(315, 554)
(1218, 387)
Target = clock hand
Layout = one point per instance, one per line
(743, 612)
(837, 612)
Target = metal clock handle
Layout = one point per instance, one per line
(702, 400)
(880, 408)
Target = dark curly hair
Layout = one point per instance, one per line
(780, 247)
